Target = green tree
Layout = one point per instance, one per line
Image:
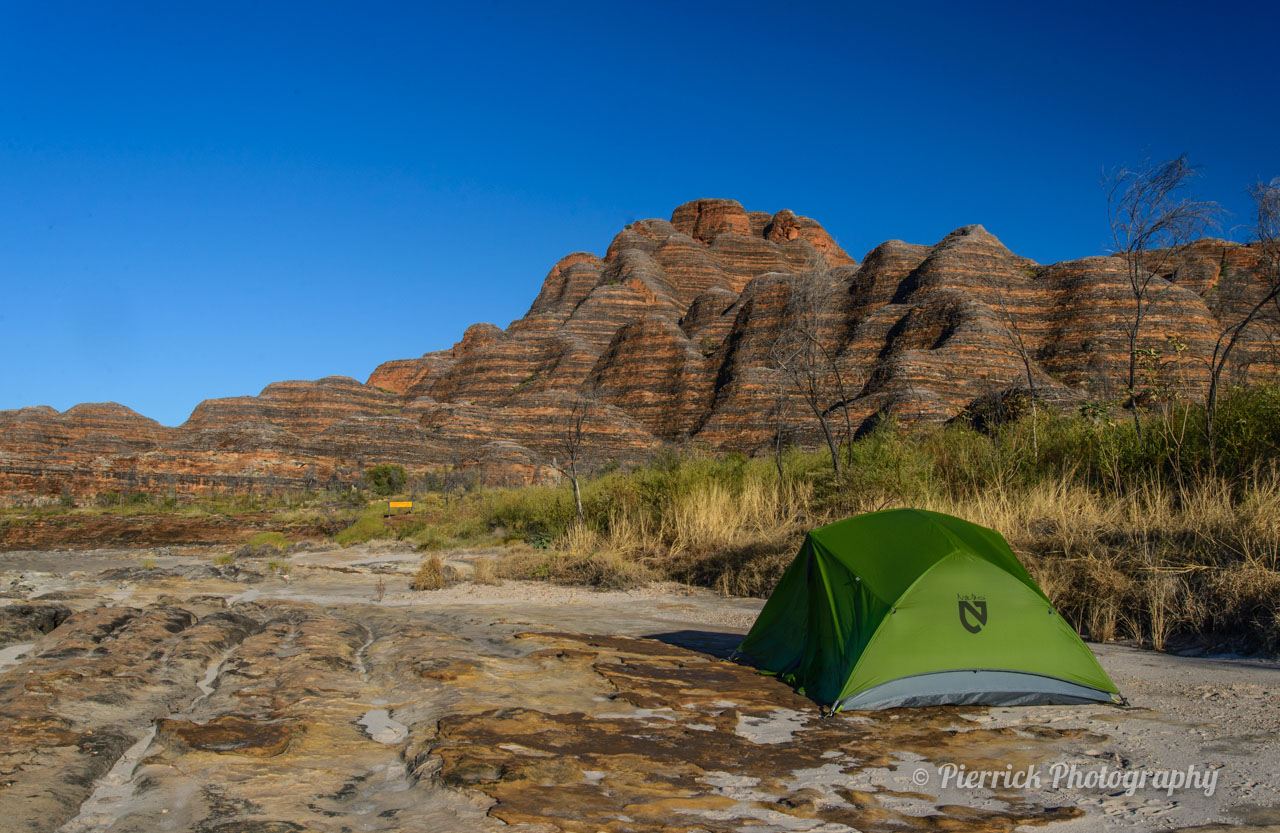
(386, 479)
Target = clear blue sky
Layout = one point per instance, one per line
(198, 199)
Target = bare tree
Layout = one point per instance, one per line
(778, 411)
(802, 353)
(571, 440)
(1014, 333)
(1266, 198)
(1152, 221)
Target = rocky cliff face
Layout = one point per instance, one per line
(675, 334)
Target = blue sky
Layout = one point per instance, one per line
(199, 199)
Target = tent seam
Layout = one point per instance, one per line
(893, 607)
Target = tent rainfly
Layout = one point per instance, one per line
(912, 608)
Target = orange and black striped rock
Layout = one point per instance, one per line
(104, 427)
(675, 334)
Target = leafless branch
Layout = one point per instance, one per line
(1266, 198)
(571, 443)
(1013, 331)
(1149, 213)
(804, 355)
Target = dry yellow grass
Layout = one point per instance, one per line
(713, 516)
(1145, 565)
(433, 574)
(484, 571)
(733, 539)
(1128, 537)
(583, 557)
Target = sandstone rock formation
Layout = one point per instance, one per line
(166, 692)
(673, 333)
(156, 699)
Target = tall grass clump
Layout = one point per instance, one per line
(269, 540)
(433, 574)
(698, 519)
(367, 527)
(536, 514)
(485, 571)
(582, 557)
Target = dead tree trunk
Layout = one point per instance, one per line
(571, 443)
(1267, 201)
(1151, 222)
(803, 355)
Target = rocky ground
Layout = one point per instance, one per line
(162, 690)
(86, 531)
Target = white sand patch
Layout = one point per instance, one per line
(14, 654)
(769, 819)
(111, 795)
(664, 713)
(779, 726)
(520, 749)
(379, 726)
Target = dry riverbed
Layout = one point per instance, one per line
(162, 691)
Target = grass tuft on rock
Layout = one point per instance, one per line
(367, 527)
(485, 571)
(274, 540)
(433, 574)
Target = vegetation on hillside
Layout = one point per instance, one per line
(386, 479)
(1132, 534)
(1149, 535)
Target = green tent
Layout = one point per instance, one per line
(913, 608)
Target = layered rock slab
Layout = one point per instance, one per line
(688, 742)
(675, 333)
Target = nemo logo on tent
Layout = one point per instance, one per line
(973, 613)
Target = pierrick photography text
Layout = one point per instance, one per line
(1070, 776)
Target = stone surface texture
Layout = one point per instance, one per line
(168, 692)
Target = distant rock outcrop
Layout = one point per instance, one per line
(672, 333)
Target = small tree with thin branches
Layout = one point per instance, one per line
(571, 443)
(1152, 220)
(1266, 198)
(1013, 331)
(778, 412)
(802, 353)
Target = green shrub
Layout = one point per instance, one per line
(274, 540)
(108, 498)
(365, 528)
(386, 479)
(538, 514)
(1247, 429)
(430, 539)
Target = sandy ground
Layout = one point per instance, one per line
(1215, 717)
